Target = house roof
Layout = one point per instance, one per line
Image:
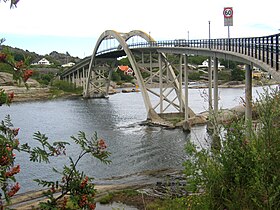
(123, 68)
(43, 59)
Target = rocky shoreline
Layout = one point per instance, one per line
(172, 184)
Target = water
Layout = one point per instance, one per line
(134, 148)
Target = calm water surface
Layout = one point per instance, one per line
(133, 148)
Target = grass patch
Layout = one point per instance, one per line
(167, 204)
(106, 199)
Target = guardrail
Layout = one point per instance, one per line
(265, 49)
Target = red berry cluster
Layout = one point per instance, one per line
(19, 64)
(27, 74)
(84, 182)
(64, 203)
(13, 171)
(84, 202)
(15, 131)
(102, 144)
(13, 190)
(7, 155)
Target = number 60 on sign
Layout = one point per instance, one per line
(228, 16)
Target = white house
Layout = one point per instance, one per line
(43, 61)
(205, 64)
(68, 64)
(129, 72)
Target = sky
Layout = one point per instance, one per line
(73, 26)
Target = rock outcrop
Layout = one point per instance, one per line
(21, 93)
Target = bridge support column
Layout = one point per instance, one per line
(216, 97)
(73, 78)
(84, 79)
(186, 80)
(160, 82)
(151, 68)
(248, 93)
(180, 84)
(210, 85)
(78, 79)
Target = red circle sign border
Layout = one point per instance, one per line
(228, 8)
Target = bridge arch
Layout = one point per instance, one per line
(122, 38)
(140, 33)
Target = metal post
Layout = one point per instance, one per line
(229, 49)
(277, 52)
(248, 93)
(151, 68)
(186, 80)
(271, 51)
(209, 22)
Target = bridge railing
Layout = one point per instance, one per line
(264, 48)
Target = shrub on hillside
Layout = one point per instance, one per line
(66, 86)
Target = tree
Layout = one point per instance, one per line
(75, 188)
(237, 74)
(18, 57)
(13, 3)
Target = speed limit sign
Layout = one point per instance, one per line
(228, 12)
(228, 16)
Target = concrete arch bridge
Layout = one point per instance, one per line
(161, 79)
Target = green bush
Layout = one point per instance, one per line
(43, 78)
(197, 60)
(116, 77)
(66, 86)
(237, 74)
(244, 173)
(167, 204)
(224, 75)
(194, 76)
(6, 68)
